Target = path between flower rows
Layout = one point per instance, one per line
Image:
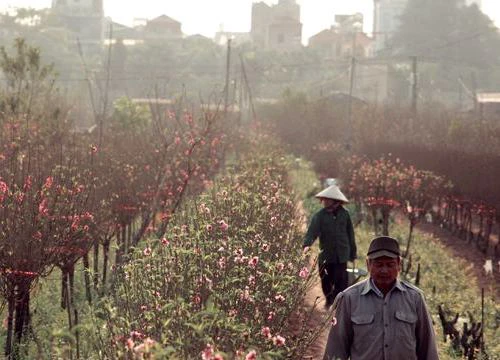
(314, 296)
(318, 348)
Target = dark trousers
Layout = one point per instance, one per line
(333, 280)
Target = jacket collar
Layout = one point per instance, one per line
(370, 286)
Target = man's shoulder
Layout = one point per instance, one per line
(320, 212)
(355, 289)
(414, 290)
(344, 210)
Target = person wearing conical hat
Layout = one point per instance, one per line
(333, 226)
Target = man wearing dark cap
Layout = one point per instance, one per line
(381, 317)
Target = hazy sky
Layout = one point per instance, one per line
(207, 16)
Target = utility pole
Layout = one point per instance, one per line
(228, 66)
(460, 94)
(248, 89)
(414, 84)
(349, 109)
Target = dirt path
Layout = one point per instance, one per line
(316, 295)
(316, 300)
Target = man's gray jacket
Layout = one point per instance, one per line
(368, 326)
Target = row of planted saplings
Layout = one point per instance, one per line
(476, 223)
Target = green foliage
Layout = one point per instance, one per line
(444, 28)
(29, 82)
(131, 117)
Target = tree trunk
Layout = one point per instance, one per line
(86, 275)
(375, 221)
(64, 288)
(22, 314)
(385, 221)
(96, 267)
(68, 304)
(410, 236)
(105, 259)
(10, 325)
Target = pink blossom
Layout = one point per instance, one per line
(253, 261)
(251, 280)
(48, 182)
(209, 227)
(280, 266)
(218, 357)
(19, 198)
(165, 241)
(27, 183)
(144, 347)
(147, 251)
(334, 321)
(304, 272)
(136, 335)
(265, 247)
(42, 207)
(223, 225)
(208, 352)
(266, 332)
(279, 298)
(130, 343)
(252, 355)
(245, 295)
(278, 340)
(271, 315)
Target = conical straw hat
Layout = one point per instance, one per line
(332, 192)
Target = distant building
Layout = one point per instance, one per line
(344, 39)
(114, 31)
(386, 14)
(277, 26)
(163, 27)
(338, 45)
(84, 18)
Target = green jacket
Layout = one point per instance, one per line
(336, 236)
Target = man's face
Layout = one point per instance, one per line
(330, 203)
(383, 270)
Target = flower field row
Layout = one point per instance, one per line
(225, 280)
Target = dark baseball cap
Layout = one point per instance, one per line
(383, 246)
